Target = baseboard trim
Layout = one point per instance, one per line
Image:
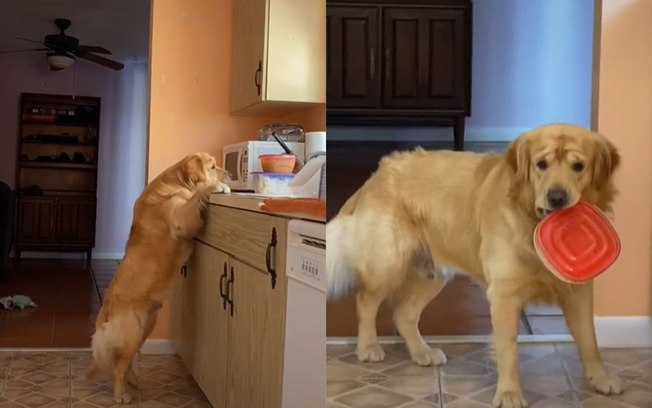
(526, 338)
(611, 331)
(69, 255)
(624, 331)
(157, 346)
(421, 134)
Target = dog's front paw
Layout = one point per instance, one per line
(428, 357)
(606, 384)
(372, 353)
(509, 399)
(223, 188)
(125, 398)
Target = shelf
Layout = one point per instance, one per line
(61, 144)
(84, 125)
(54, 165)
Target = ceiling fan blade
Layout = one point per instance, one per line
(30, 49)
(28, 40)
(93, 48)
(102, 61)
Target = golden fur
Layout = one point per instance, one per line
(422, 215)
(167, 215)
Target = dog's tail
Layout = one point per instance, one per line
(103, 343)
(339, 276)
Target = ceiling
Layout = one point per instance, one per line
(121, 26)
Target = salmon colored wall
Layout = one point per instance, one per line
(624, 115)
(190, 69)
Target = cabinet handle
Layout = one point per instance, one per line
(388, 64)
(184, 271)
(269, 262)
(372, 63)
(229, 292)
(222, 294)
(257, 76)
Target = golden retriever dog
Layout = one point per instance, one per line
(167, 215)
(424, 214)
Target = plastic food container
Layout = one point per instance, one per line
(277, 163)
(577, 243)
(272, 184)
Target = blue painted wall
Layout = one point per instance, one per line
(532, 64)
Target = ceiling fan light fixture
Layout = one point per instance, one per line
(60, 61)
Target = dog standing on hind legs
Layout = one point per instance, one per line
(167, 215)
(424, 213)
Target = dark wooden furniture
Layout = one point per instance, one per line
(399, 63)
(56, 173)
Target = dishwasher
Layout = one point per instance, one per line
(304, 377)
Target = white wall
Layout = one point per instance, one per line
(123, 131)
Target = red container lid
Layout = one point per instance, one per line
(577, 243)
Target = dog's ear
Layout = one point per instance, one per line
(192, 171)
(518, 157)
(605, 161)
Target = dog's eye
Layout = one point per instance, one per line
(578, 167)
(213, 167)
(542, 164)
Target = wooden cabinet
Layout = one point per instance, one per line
(55, 223)
(278, 61)
(399, 65)
(35, 220)
(256, 362)
(228, 309)
(56, 173)
(353, 69)
(200, 334)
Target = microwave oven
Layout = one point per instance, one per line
(241, 159)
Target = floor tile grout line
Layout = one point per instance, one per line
(69, 379)
(574, 398)
(440, 388)
(7, 373)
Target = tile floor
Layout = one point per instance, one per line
(68, 296)
(56, 380)
(551, 376)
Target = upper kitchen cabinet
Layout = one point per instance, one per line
(279, 56)
(399, 63)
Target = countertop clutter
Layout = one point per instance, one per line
(313, 210)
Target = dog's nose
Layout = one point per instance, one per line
(557, 198)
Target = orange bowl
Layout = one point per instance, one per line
(277, 163)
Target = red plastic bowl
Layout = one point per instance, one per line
(577, 243)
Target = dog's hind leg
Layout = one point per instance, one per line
(367, 306)
(413, 296)
(121, 367)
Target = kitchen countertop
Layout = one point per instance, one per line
(251, 202)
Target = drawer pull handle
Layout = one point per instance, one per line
(222, 294)
(257, 77)
(229, 292)
(269, 262)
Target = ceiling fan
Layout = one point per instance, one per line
(62, 49)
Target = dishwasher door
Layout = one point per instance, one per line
(304, 374)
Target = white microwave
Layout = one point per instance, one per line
(241, 159)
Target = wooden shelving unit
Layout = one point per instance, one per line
(56, 173)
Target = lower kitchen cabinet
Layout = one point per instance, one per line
(228, 309)
(255, 369)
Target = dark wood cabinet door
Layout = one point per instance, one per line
(426, 58)
(353, 57)
(75, 220)
(35, 219)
